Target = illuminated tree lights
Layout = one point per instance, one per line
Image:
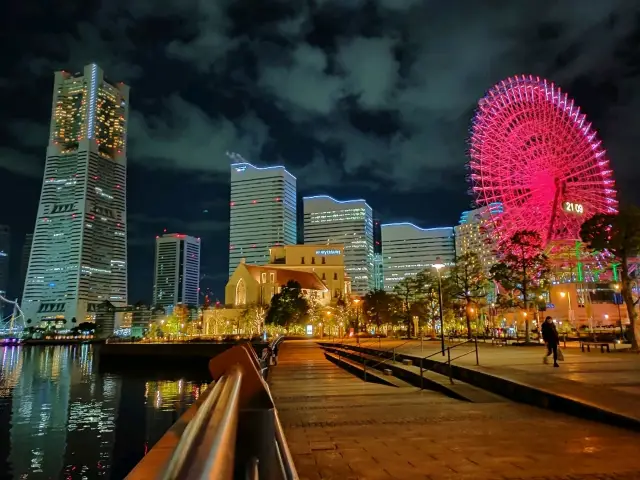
(534, 152)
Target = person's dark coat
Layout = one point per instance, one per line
(549, 333)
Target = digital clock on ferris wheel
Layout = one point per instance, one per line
(572, 207)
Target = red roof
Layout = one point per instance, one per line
(307, 280)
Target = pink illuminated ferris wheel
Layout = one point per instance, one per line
(532, 151)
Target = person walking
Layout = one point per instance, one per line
(551, 338)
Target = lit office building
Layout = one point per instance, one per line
(474, 234)
(79, 254)
(408, 250)
(350, 223)
(263, 211)
(176, 278)
(24, 259)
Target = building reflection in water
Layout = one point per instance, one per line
(63, 419)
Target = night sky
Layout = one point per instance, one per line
(358, 98)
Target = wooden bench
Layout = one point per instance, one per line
(588, 344)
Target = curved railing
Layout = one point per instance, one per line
(236, 410)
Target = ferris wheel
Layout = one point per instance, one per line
(533, 152)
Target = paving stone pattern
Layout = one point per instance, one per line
(339, 427)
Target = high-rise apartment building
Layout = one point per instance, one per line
(408, 250)
(350, 223)
(474, 234)
(78, 258)
(176, 278)
(263, 210)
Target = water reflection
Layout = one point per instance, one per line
(63, 419)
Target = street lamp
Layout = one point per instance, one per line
(616, 287)
(357, 302)
(438, 266)
(569, 311)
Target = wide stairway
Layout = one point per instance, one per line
(340, 427)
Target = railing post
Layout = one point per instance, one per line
(421, 345)
(394, 355)
(477, 358)
(421, 377)
(449, 363)
(365, 369)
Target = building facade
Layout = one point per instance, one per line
(326, 262)
(255, 285)
(408, 250)
(5, 248)
(24, 260)
(176, 278)
(474, 234)
(78, 259)
(263, 210)
(328, 221)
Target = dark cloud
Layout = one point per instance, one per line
(425, 62)
(366, 98)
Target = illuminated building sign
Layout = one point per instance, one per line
(572, 207)
(326, 253)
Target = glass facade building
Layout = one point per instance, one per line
(263, 210)
(408, 250)
(474, 234)
(329, 221)
(176, 278)
(78, 256)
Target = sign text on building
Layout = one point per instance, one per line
(326, 253)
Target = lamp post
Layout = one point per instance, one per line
(616, 287)
(357, 302)
(569, 311)
(438, 266)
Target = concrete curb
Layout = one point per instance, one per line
(517, 391)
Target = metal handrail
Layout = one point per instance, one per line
(284, 454)
(390, 349)
(221, 404)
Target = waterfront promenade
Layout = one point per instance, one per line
(610, 381)
(339, 427)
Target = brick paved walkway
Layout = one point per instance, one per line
(339, 427)
(610, 381)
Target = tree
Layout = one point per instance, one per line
(467, 283)
(253, 316)
(619, 234)
(408, 292)
(287, 306)
(377, 308)
(524, 267)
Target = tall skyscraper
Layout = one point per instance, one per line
(349, 223)
(78, 258)
(176, 279)
(263, 212)
(474, 234)
(408, 250)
